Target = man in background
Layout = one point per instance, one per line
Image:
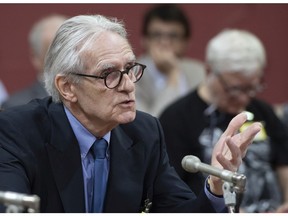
(236, 60)
(40, 38)
(170, 75)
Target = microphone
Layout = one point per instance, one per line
(192, 164)
(32, 202)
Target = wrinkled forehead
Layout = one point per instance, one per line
(105, 47)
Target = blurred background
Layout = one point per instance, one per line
(268, 21)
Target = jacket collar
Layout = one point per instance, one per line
(65, 160)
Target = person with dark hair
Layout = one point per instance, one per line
(169, 75)
(236, 61)
(86, 148)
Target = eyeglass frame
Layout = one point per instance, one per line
(251, 92)
(171, 36)
(126, 71)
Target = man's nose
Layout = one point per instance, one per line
(126, 83)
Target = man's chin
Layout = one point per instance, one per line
(127, 117)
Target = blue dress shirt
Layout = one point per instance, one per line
(86, 140)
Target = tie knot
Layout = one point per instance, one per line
(99, 148)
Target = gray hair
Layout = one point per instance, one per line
(35, 37)
(72, 38)
(234, 50)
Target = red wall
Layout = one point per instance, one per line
(268, 21)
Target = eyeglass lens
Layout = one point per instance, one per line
(114, 78)
(173, 36)
(237, 90)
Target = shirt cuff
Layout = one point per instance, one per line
(216, 201)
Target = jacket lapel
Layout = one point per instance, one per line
(65, 160)
(125, 183)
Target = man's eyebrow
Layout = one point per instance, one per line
(111, 65)
(105, 67)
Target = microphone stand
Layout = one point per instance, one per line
(229, 196)
(230, 191)
(17, 202)
(233, 186)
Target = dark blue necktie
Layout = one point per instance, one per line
(98, 151)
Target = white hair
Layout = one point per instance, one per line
(73, 37)
(234, 50)
(35, 37)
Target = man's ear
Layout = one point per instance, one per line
(65, 88)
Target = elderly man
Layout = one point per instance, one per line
(86, 148)
(40, 38)
(235, 60)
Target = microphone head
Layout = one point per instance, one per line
(190, 163)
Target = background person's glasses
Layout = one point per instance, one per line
(113, 79)
(235, 91)
(172, 36)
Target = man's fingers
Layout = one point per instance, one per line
(248, 135)
(235, 124)
(231, 158)
(235, 152)
(226, 164)
(232, 145)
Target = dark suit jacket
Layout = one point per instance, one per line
(39, 154)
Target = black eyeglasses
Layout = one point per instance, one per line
(235, 91)
(113, 78)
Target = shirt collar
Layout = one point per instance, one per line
(83, 136)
